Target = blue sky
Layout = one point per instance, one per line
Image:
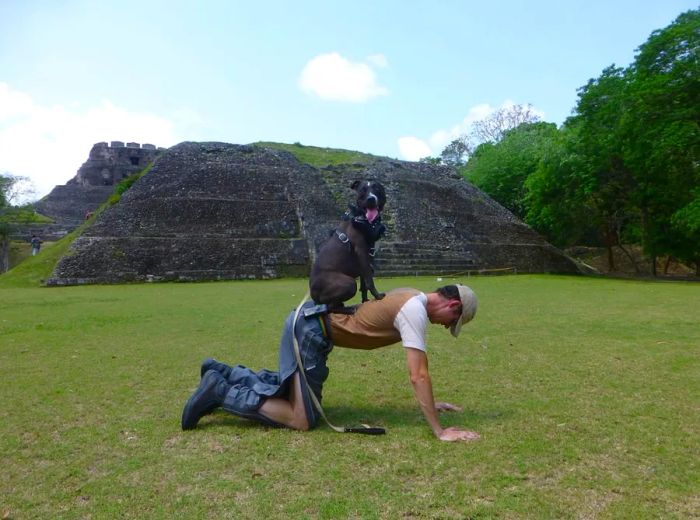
(394, 78)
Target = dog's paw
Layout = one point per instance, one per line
(380, 296)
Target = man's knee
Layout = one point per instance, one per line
(300, 423)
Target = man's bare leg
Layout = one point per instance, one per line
(290, 412)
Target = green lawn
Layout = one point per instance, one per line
(586, 392)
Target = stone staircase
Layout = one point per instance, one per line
(403, 258)
(411, 259)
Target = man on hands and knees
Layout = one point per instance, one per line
(283, 398)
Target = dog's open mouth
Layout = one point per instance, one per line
(371, 214)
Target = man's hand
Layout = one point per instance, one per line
(455, 434)
(447, 407)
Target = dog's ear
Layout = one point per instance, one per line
(354, 185)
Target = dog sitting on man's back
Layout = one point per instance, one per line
(349, 251)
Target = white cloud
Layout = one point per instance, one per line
(49, 143)
(332, 77)
(413, 149)
(439, 139)
(378, 60)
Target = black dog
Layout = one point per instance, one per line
(348, 253)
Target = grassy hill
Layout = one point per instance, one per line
(320, 157)
(34, 270)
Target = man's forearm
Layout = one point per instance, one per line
(423, 388)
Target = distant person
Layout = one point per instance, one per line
(283, 398)
(36, 245)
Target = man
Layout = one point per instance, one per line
(282, 398)
(35, 241)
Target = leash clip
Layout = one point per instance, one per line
(315, 310)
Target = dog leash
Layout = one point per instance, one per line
(368, 430)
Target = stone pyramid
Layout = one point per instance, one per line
(212, 211)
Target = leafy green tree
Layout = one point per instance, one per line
(686, 223)
(491, 129)
(430, 160)
(6, 184)
(11, 188)
(557, 194)
(606, 181)
(661, 134)
(501, 169)
(623, 168)
(457, 152)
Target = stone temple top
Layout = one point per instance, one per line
(210, 211)
(109, 164)
(94, 182)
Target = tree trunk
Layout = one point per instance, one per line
(609, 242)
(4, 254)
(667, 264)
(629, 256)
(618, 233)
(611, 258)
(646, 239)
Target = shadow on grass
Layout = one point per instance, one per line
(365, 414)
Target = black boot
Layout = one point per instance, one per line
(209, 396)
(213, 364)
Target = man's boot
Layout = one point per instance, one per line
(213, 364)
(211, 393)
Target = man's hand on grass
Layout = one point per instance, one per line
(447, 407)
(456, 434)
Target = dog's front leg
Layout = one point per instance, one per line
(363, 289)
(367, 275)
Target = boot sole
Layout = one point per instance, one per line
(208, 382)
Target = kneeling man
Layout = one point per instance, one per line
(283, 398)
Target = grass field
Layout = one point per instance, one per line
(586, 393)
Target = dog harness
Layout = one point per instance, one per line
(372, 231)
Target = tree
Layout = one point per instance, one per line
(686, 222)
(494, 127)
(501, 169)
(624, 167)
(11, 188)
(607, 182)
(557, 202)
(457, 152)
(6, 184)
(491, 129)
(661, 134)
(430, 160)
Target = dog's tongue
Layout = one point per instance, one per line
(371, 214)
